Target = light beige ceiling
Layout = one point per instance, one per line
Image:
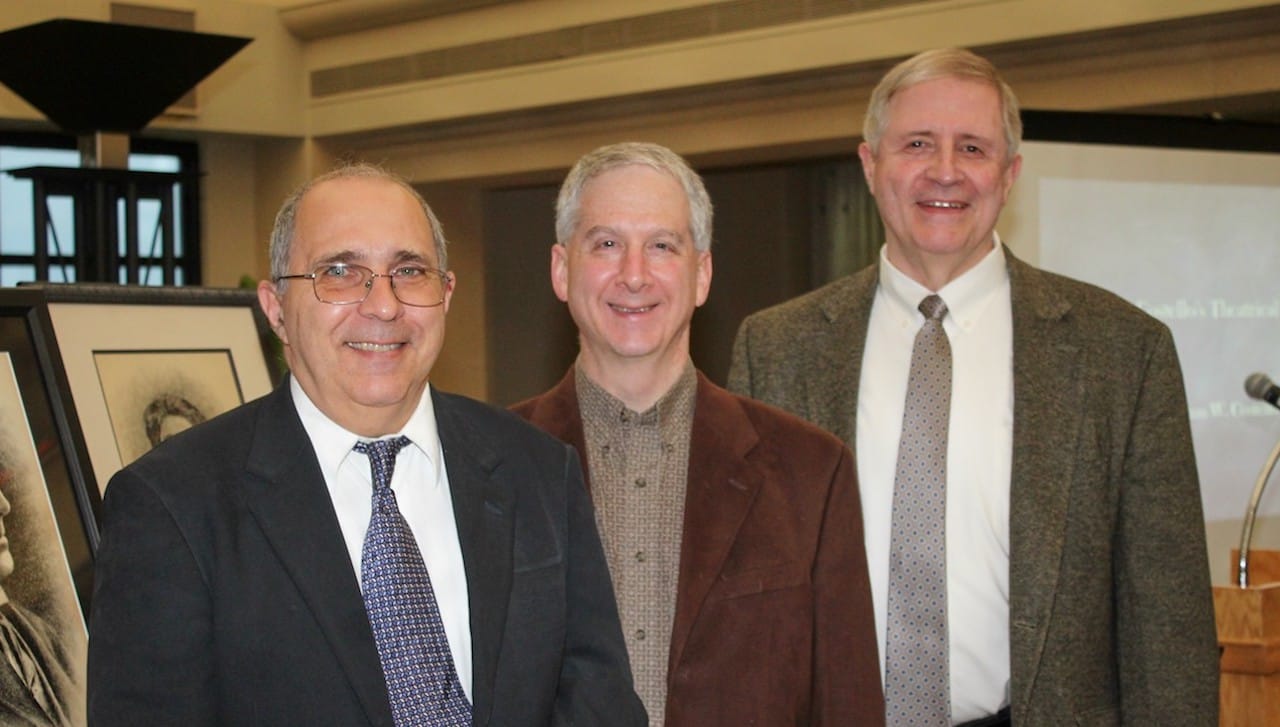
(312, 19)
(1029, 63)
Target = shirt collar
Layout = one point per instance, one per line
(964, 296)
(594, 399)
(333, 444)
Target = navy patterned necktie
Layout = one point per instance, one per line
(412, 646)
(917, 686)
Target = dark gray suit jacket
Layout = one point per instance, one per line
(1110, 607)
(225, 595)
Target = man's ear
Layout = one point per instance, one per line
(272, 308)
(868, 158)
(704, 278)
(449, 285)
(560, 271)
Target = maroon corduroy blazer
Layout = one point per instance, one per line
(773, 622)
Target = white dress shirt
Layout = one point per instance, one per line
(421, 485)
(979, 326)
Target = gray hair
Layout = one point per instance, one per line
(286, 218)
(614, 156)
(931, 65)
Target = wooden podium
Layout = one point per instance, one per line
(1249, 636)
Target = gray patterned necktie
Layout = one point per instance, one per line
(917, 676)
(412, 646)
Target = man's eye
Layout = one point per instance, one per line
(409, 272)
(336, 271)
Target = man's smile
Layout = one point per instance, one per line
(373, 347)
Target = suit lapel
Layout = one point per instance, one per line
(1047, 419)
(287, 496)
(722, 484)
(556, 412)
(485, 516)
(833, 394)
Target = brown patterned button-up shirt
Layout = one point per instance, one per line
(639, 469)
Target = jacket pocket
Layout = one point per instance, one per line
(761, 580)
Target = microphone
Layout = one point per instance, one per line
(1257, 386)
(1260, 386)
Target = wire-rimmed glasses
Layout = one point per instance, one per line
(347, 284)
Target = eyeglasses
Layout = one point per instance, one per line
(347, 284)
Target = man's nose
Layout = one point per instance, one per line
(381, 300)
(635, 269)
(943, 168)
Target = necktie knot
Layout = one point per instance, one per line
(933, 307)
(382, 458)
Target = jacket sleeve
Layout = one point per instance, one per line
(1164, 608)
(150, 628)
(740, 381)
(595, 677)
(846, 681)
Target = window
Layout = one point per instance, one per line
(156, 260)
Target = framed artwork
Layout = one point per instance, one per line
(152, 395)
(48, 529)
(145, 362)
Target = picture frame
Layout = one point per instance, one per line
(128, 353)
(49, 516)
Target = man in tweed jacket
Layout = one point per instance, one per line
(1077, 582)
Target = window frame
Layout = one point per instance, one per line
(187, 207)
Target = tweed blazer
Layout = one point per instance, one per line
(1110, 607)
(774, 624)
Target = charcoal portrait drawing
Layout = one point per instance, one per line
(42, 630)
(152, 395)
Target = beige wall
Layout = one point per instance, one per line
(261, 90)
(232, 246)
(464, 362)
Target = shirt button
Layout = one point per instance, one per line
(640, 556)
(640, 482)
(640, 634)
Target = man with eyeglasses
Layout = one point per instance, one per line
(356, 548)
(732, 529)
